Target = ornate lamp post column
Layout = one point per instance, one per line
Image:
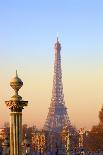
(27, 147)
(16, 104)
(81, 140)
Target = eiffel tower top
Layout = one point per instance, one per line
(57, 45)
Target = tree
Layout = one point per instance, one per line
(101, 116)
(27, 131)
(94, 140)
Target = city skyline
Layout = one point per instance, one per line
(27, 36)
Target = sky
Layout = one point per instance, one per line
(28, 31)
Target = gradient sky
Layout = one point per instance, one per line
(28, 30)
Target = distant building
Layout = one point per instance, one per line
(39, 141)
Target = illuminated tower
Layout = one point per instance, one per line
(57, 116)
(16, 104)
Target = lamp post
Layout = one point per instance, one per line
(81, 141)
(68, 144)
(26, 146)
(16, 104)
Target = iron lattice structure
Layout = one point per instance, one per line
(57, 116)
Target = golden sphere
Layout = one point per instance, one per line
(16, 83)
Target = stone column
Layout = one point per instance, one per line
(16, 105)
(16, 132)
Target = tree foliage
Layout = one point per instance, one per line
(94, 140)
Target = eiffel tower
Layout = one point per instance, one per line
(57, 116)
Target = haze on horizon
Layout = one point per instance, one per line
(27, 35)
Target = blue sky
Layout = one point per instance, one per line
(78, 22)
(36, 23)
(28, 30)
